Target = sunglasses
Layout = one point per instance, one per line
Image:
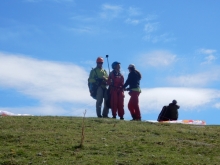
(99, 62)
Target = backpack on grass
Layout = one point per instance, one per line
(164, 114)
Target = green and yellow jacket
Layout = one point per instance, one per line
(99, 76)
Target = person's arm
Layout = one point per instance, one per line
(92, 77)
(109, 82)
(128, 81)
(122, 81)
(105, 78)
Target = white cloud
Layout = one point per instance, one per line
(132, 21)
(82, 30)
(166, 37)
(206, 51)
(88, 63)
(209, 59)
(209, 55)
(196, 80)
(150, 17)
(157, 59)
(110, 11)
(83, 18)
(18, 31)
(44, 80)
(148, 26)
(132, 11)
(188, 98)
(61, 88)
(151, 27)
(217, 105)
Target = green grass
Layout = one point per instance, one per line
(56, 141)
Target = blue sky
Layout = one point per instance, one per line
(48, 47)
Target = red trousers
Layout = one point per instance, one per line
(117, 102)
(133, 105)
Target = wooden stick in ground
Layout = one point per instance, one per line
(83, 129)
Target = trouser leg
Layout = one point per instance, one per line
(121, 104)
(114, 100)
(135, 104)
(131, 107)
(105, 109)
(99, 100)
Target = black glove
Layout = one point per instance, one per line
(99, 80)
(127, 89)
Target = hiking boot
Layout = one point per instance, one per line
(121, 118)
(114, 117)
(100, 116)
(105, 117)
(133, 117)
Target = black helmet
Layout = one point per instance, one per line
(174, 101)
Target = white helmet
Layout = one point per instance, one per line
(131, 66)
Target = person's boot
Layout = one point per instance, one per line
(133, 117)
(121, 118)
(114, 117)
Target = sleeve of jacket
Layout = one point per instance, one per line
(128, 81)
(109, 82)
(105, 76)
(92, 76)
(122, 80)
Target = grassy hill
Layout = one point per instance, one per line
(56, 141)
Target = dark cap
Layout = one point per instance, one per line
(114, 64)
(174, 101)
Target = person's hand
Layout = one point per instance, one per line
(99, 80)
(105, 78)
(126, 89)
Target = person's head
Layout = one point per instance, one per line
(99, 62)
(131, 67)
(174, 102)
(116, 65)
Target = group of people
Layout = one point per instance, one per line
(111, 88)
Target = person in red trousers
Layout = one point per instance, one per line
(116, 82)
(133, 81)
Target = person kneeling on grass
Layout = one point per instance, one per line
(133, 81)
(169, 113)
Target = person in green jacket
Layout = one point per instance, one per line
(98, 77)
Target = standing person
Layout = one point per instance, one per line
(133, 81)
(98, 76)
(116, 82)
